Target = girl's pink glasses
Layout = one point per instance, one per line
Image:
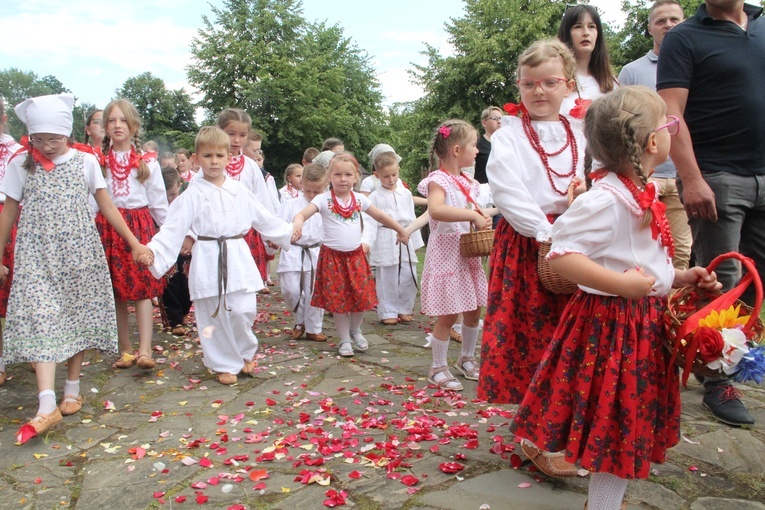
(673, 126)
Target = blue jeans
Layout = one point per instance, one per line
(740, 226)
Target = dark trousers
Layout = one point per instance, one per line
(176, 296)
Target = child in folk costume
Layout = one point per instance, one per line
(297, 267)
(61, 302)
(395, 264)
(135, 185)
(534, 160)
(452, 284)
(8, 147)
(183, 158)
(344, 283)
(604, 391)
(293, 176)
(223, 279)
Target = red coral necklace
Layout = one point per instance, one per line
(536, 144)
(235, 167)
(344, 212)
(119, 171)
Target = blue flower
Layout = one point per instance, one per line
(752, 366)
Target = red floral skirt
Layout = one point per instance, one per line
(344, 282)
(604, 392)
(130, 281)
(258, 250)
(521, 317)
(10, 247)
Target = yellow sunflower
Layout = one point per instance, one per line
(726, 319)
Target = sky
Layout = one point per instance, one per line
(93, 46)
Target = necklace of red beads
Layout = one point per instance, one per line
(234, 168)
(646, 199)
(347, 211)
(545, 156)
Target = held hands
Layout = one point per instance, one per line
(4, 271)
(188, 243)
(697, 276)
(637, 284)
(365, 248)
(579, 187)
(142, 254)
(402, 237)
(480, 221)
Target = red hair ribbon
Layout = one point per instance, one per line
(514, 109)
(580, 109)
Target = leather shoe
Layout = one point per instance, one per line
(71, 404)
(723, 400)
(316, 337)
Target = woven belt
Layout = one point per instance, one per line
(222, 267)
(304, 250)
(401, 246)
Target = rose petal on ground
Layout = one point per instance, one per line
(410, 480)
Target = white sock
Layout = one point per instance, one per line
(47, 402)
(356, 319)
(469, 339)
(606, 491)
(440, 351)
(2, 364)
(71, 388)
(342, 327)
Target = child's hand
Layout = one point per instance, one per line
(365, 248)
(272, 245)
(142, 254)
(637, 284)
(188, 243)
(402, 239)
(4, 271)
(479, 221)
(579, 186)
(297, 233)
(698, 276)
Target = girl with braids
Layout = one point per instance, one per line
(535, 158)
(582, 31)
(344, 283)
(8, 147)
(60, 304)
(452, 284)
(135, 185)
(604, 391)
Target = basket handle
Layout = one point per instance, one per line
(722, 302)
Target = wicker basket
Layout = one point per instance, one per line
(476, 243)
(551, 280)
(690, 304)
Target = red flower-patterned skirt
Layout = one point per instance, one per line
(521, 317)
(604, 392)
(344, 282)
(130, 281)
(10, 247)
(258, 250)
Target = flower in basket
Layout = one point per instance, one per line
(723, 346)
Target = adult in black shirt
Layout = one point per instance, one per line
(490, 120)
(711, 73)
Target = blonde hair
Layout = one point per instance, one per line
(486, 113)
(458, 132)
(291, 169)
(134, 125)
(545, 50)
(314, 172)
(343, 157)
(230, 115)
(212, 136)
(385, 159)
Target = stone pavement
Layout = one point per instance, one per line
(311, 429)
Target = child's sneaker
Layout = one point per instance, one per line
(359, 341)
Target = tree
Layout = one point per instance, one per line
(301, 82)
(16, 86)
(161, 110)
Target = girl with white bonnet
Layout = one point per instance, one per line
(61, 302)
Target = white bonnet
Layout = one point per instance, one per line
(47, 114)
(379, 149)
(323, 158)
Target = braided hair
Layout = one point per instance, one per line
(448, 134)
(134, 125)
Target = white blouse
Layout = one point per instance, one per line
(313, 233)
(253, 180)
(518, 180)
(588, 89)
(606, 225)
(341, 234)
(133, 194)
(207, 210)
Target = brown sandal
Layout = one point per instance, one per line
(71, 405)
(551, 465)
(454, 335)
(249, 367)
(145, 362)
(316, 337)
(405, 318)
(297, 332)
(225, 378)
(390, 322)
(127, 360)
(43, 422)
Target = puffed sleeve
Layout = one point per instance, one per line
(587, 226)
(439, 178)
(156, 193)
(15, 178)
(94, 176)
(508, 191)
(166, 244)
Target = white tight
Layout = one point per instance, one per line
(606, 491)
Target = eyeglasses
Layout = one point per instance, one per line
(258, 152)
(673, 126)
(53, 143)
(549, 84)
(495, 119)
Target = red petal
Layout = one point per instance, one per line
(451, 467)
(205, 462)
(25, 433)
(354, 474)
(201, 498)
(258, 474)
(259, 487)
(410, 480)
(180, 499)
(158, 494)
(516, 461)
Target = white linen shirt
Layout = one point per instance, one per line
(341, 234)
(253, 180)
(606, 225)
(10, 147)
(518, 180)
(207, 210)
(134, 195)
(399, 205)
(313, 233)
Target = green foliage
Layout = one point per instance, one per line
(162, 111)
(301, 82)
